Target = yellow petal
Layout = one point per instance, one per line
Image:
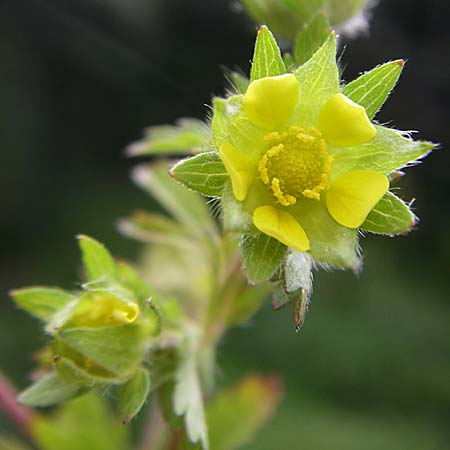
(238, 168)
(344, 123)
(352, 196)
(282, 226)
(269, 102)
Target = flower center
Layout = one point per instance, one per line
(296, 164)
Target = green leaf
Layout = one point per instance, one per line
(262, 256)
(98, 262)
(236, 414)
(42, 302)
(118, 349)
(390, 216)
(319, 80)
(387, 152)
(131, 279)
(310, 39)
(187, 136)
(188, 401)
(204, 173)
(49, 390)
(372, 89)
(84, 423)
(187, 207)
(267, 60)
(133, 395)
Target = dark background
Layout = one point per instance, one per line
(79, 80)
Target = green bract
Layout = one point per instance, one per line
(361, 157)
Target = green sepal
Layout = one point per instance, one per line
(280, 298)
(310, 39)
(118, 349)
(204, 173)
(318, 81)
(42, 302)
(238, 82)
(262, 256)
(390, 216)
(235, 217)
(386, 153)
(50, 390)
(98, 262)
(133, 395)
(70, 372)
(372, 88)
(267, 60)
(236, 414)
(297, 272)
(186, 136)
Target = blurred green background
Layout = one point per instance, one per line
(79, 79)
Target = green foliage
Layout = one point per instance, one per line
(390, 216)
(310, 39)
(84, 423)
(42, 302)
(262, 256)
(267, 60)
(133, 395)
(50, 390)
(373, 88)
(236, 414)
(187, 136)
(204, 173)
(188, 401)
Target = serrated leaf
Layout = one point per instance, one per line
(372, 89)
(118, 349)
(133, 395)
(186, 206)
(310, 39)
(262, 256)
(98, 262)
(389, 216)
(188, 401)
(85, 423)
(387, 152)
(42, 302)
(204, 173)
(236, 414)
(318, 80)
(186, 136)
(49, 390)
(267, 60)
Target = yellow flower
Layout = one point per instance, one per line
(292, 164)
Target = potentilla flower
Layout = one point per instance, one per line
(297, 157)
(290, 166)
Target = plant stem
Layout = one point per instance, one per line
(20, 416)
